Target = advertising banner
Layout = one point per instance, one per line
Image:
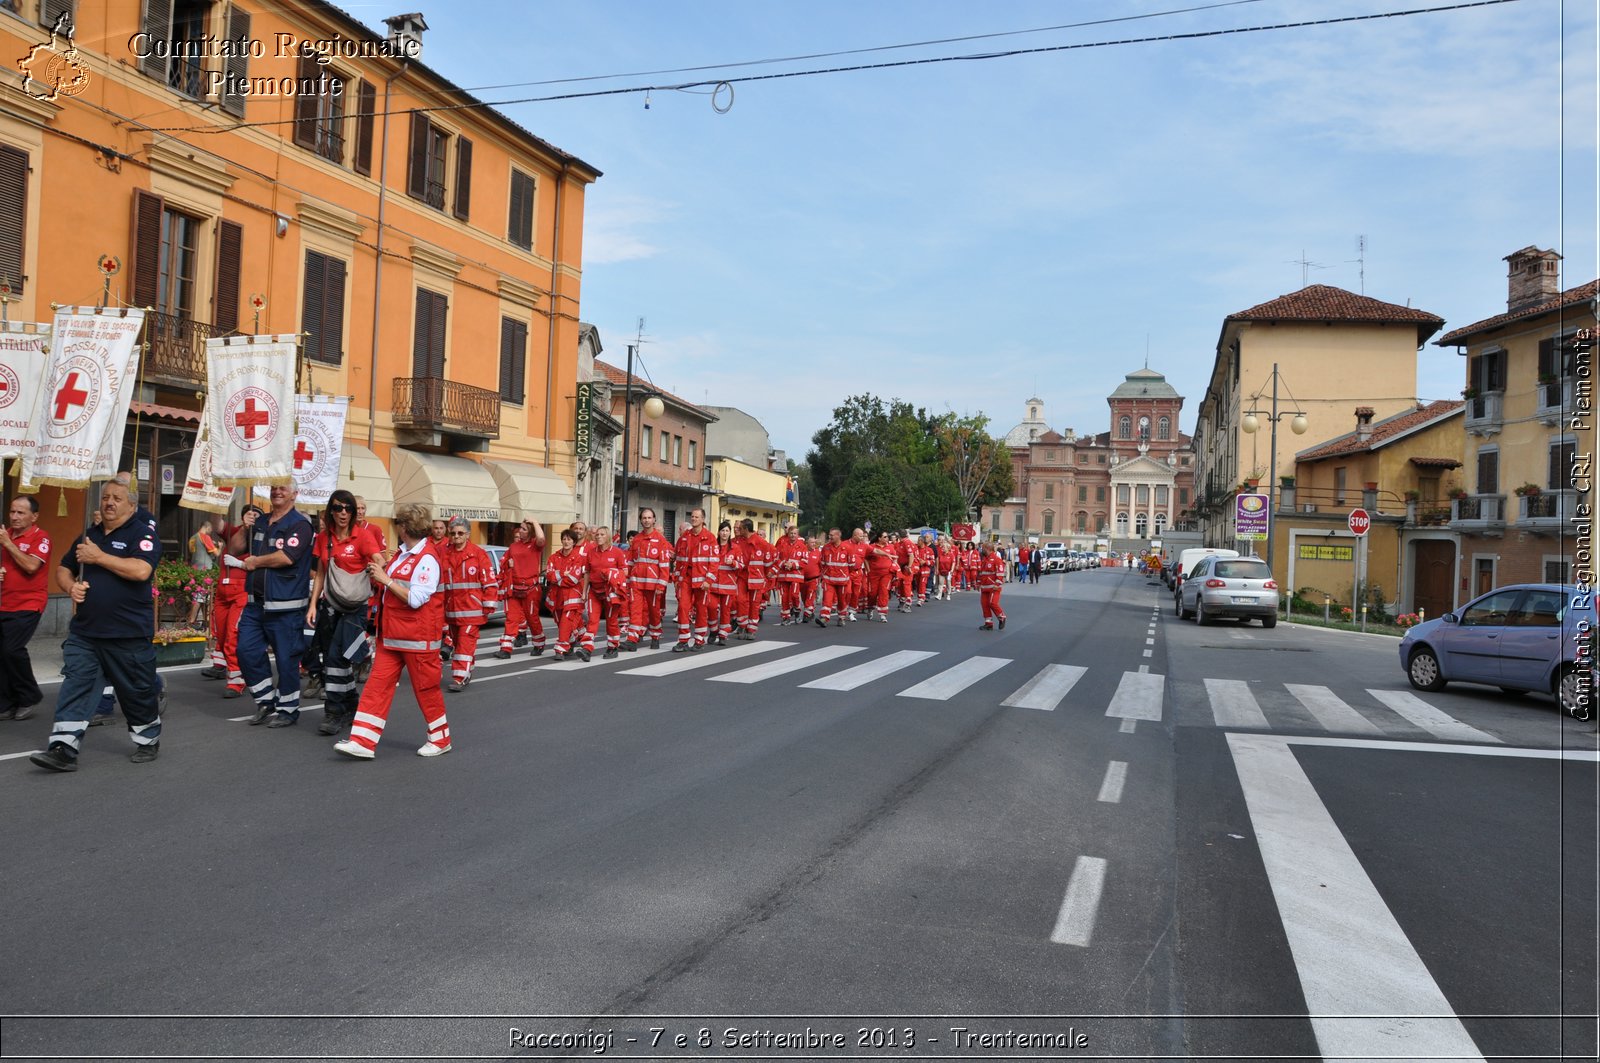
(1250, 517)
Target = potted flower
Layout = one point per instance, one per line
(1469, 393)
(1458, 493)
(1413, 495)
(1529, 490)
(1286, 481)
(1405, 620)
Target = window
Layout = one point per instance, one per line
(1142, 494)
(1557, 570)
(1161, 494)
(1563, 453)
(994, 520)
(1492, 611)
(1050, 456)
(1183, 496)
(463, 200)
(13, 214)
(1101, 458)
(519, 230)
(1487, 372)
(677, 450)
(1140, 528)
(1083, 493)
(319, 116)
(644, 441)
(1083, 459)
(1125, 427)
(1161, 523)
(1489, 471)
(427, 346)
(1049, 491)
(513, 359)
(322, 309)
(1083, 521)
(49, 11)
(694, 454)
(1122, 494)
(183, 24)
(1049, 522)
(425, 175)
(180, 256)
(366, 112)
(1339, 485)
(1017, 521)
(1100, 493)
(1164, 428)
(1122, 525)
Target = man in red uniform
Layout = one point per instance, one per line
(24, 568)
(758, 554)
(905, 552)
(790, 575)
(566, 575)
(858, 575)
(883, 571)
(991, 574)
(226, 611)
(924, 574)
(811, 570)
(470, 594)
(607, 569)
(722, 596)
(649, 564)
(520, 571)
(838, 564)
(693, 564)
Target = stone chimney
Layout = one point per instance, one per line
(1364, 415)
(1532, 277)
(405, 35)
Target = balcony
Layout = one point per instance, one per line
(1554, 399)
(1486, 413)
(1547, 512)
(439, 407)
(176, 356)
(1479, 514)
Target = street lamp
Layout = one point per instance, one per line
(653, 408)
(1251, 423)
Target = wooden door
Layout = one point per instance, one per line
(1433, 576)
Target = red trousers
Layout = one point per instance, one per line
(645, 611)
(719, 611)
(878, 584)
(522, 609)
(789, 596)
(691, 613)
(833, 599)
(225, 614)
(377, 698)
(808, 594)
(752, 599)
(603, 607)
(569, 621)
(464, 639)
(989, 599)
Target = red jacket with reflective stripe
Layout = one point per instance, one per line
(402, 627)
(649, 561)
(695, 558)
(758, 558)
(468, 580)
(838, 560)
(991, 571)
(796, 550)
(563, 575)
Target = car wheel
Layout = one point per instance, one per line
(1177, 606)
(1200, 616)
(1423, 670)
(1269, 621)
(1575, 694)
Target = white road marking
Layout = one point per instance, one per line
(1111, 787)
(1149, 642)
(1046, 690)
(688, 662)
(1138, 696)
(1144, 668)
(1149, 653)
(1075, 922)
(1330, 711)
(570, 666)
(14, 756)
(1430, 719)
(1367, 991)
(1128, 726)
(954, 680)
(1232, 704)
(863, 674)
(757, 673)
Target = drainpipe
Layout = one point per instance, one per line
(377, 274)
(550, 343)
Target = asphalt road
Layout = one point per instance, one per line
(1130, 834)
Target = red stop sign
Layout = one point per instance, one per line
(1360, 522)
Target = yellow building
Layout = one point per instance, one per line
(739, 490)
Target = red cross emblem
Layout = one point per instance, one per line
(302, 454)
(248, 418)
(70, 396)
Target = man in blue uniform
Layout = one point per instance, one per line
(278, 583)
(107, 572)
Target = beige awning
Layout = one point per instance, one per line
(532, 492)
(361, 472)
(448, 486)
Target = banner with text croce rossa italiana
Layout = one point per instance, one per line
(251, 406)
(199, 490)
(24, 347)
(318, 447)
(81, 411)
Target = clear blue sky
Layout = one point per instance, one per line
(963, 235)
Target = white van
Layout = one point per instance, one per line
(1188, 557)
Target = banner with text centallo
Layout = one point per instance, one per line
(81, 412)
(251, 404)
(318, 446)
(199, 490)
(24, 346)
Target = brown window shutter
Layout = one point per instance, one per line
(333, 311)
(519, 359)
(427, 358)
(417, 172)
(366, 104)
(230, 246)
(51, 10)
(521, 221)
(311, 309)
(13, 215)
(157, 22)
(507, 329)
(145, 255)
(463, 177)
(305, 108)
(236, 67)
(419, 335)
(436, 324)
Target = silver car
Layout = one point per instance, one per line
(1240, 587)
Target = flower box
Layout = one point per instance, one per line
(184, 650)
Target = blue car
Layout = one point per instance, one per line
(1529, 637)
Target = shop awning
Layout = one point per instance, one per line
(532, 492)
(448, 486)
(361, 472)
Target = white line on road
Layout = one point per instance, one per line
(756, 673)
(954, 680)
(1330, 711)
(863, 674)
(1128, 726)
(598, 661)
(1075, 923)
(14, 756)
(1367, 991)
(1430, 719)
(1138, 696)
(1111, 787)
(687, 662)
(1149, 653)
(1046, 690)
(1149, 642)
(1143, 668)
(1232, 704)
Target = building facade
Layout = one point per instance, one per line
(661, 457)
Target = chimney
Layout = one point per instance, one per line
(1532, 277)
(1364, 415)
(405, 35)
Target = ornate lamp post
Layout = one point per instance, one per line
(1252, 424)
(653, 408)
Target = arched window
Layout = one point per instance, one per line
(1083, 521)
(1164, 428)
(1099, 522)
(1033, 413)
(1122, 525)
(1161, 523)
(1049, 522)
(1140, 528)
(1125, 427)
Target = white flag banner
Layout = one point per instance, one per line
(199, 489)
(82, 409)
(251, 402)
(24, 348)
(318, 445)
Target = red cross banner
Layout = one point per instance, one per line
(199, 489)
(23, 349)
(251, 404)
(318, 446)
(81, 410)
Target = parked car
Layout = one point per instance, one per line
(1187, 559)
(495, 554)
(1239, 587)
(1525, 637)
(1055, 558)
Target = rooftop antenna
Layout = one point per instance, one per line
(1147, 350)
(1361, 258)
(1306, 265)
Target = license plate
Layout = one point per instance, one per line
(1242, 601)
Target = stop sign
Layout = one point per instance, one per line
(1359, 521)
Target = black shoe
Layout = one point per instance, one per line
(821, 622)
(233, 692)
(280, 720)
(457, 686)
(609, 654)
(8, 714)
(655, 644)
(985, 627)
(630, 647)
(520, 641)
(213, 672)
(263, 714)
(24, 712)
(536, 651)
(101, 719)
(145, 754)
(694, 647)
(56, 758)
(330, 725)
(558, 656)
(722, 640)
(682, 647)
(1002, 622)
(502, 655)
(587, 655)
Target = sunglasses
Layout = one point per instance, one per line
(340, 507)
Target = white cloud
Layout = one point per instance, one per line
(618, 230)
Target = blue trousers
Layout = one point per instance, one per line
(284, 632)
(128, 666)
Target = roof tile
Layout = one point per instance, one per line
(1323, 302)
(1458, 337)
(1382, 431)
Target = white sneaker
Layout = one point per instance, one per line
(429, 749)
(351, 748)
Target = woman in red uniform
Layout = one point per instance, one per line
(722, 596)
(991, 574)
(565, 575)
(340, 589)
(607, 568)
(410, 629)
(883, 571)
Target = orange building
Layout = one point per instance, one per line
(280, 168)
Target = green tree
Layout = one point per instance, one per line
(875, 490)
(978, 464)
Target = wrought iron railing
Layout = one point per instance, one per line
(176, 354)
(433, 403)
(1486, 411)
(1479, 508)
